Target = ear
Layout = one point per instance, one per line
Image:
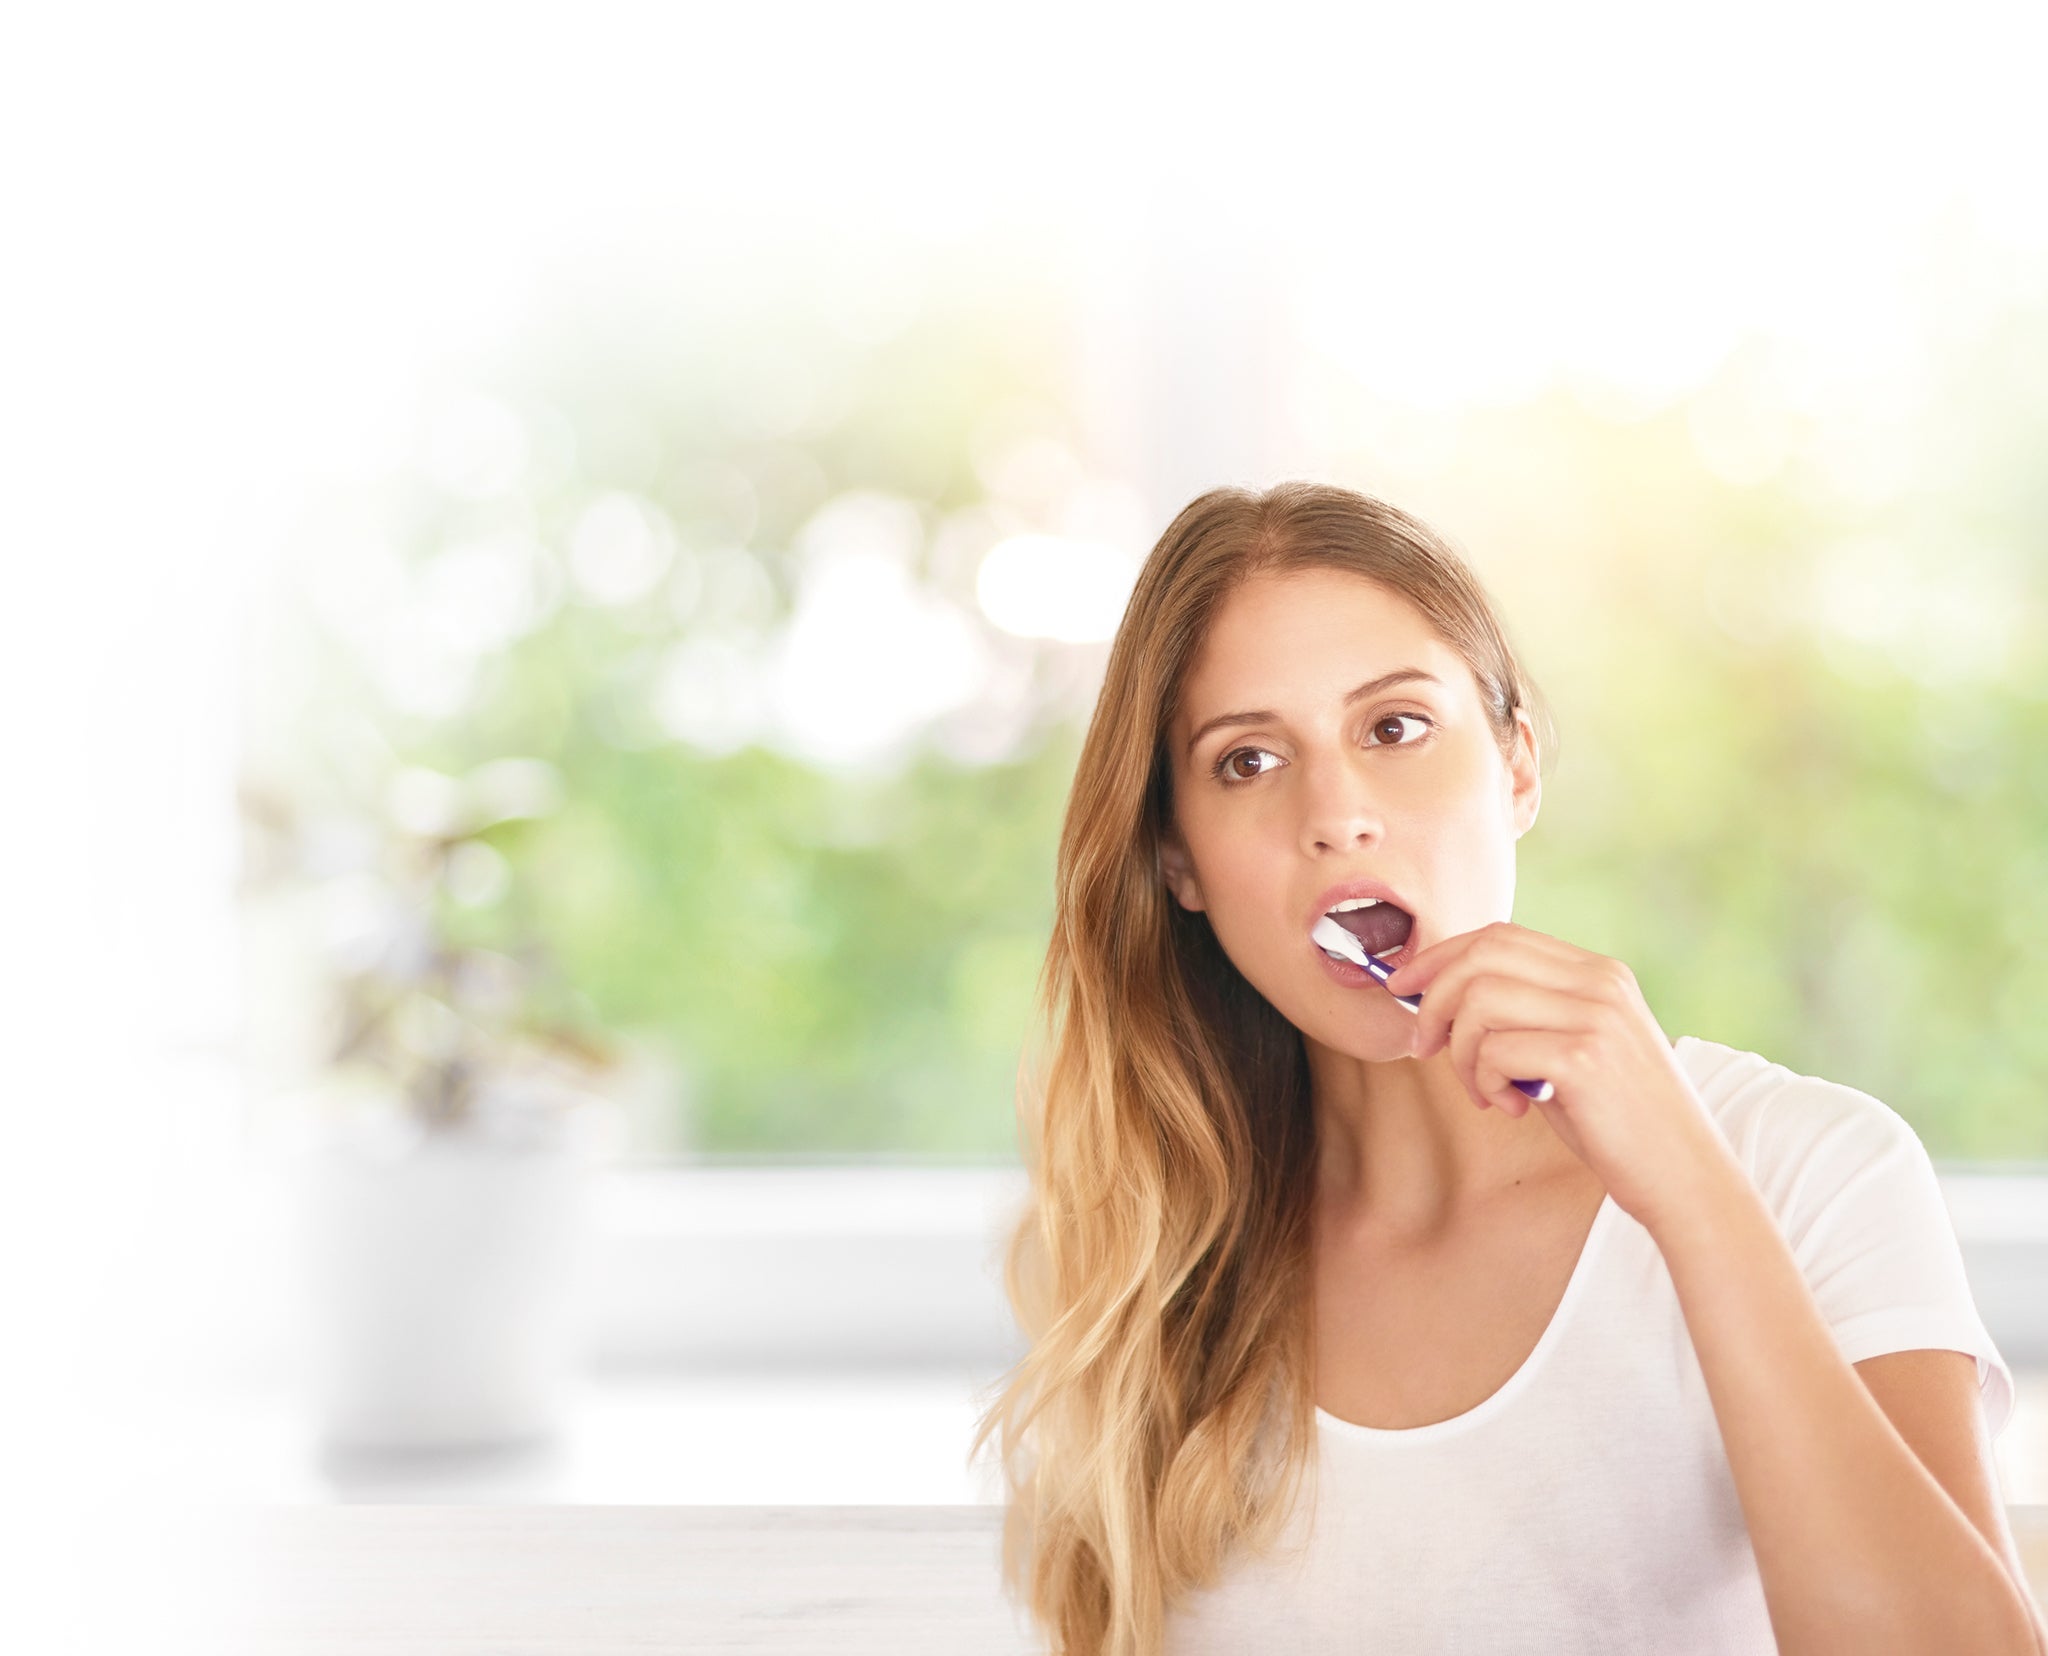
(1179, 870)
(1525, 777)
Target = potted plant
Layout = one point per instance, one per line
(461, 1108)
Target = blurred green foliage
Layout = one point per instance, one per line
(1807, 839)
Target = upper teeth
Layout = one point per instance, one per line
(1350, 903)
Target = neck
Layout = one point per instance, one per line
(1402, 1142)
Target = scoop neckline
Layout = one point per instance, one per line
(1519, 1381)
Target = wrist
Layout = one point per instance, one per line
(1708, 1193)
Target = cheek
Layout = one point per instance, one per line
(1244, 890)
(1241, 891)
(1479, 870)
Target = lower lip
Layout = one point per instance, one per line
(1343, 971)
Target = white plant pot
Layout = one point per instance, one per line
(447, 1288)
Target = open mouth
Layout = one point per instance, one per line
(1379, 926)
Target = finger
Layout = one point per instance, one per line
(1558, 1055)
(1444, 1004)
(1492, 943)
(1463, 1047)
(1421, 968)
(1492, 1005)
(1502, 1092)
(1498, 1090)
(1476, 1004)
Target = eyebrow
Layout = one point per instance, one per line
(1371, 687)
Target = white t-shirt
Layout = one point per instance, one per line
(1587, 1506)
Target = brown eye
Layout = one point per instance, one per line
(1226, 767)
(1394, 721)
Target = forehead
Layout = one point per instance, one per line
(1304, 638)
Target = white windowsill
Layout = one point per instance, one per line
(827, 1334)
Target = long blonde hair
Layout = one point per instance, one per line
(1164, 1412)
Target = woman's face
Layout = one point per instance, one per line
(1405, 785)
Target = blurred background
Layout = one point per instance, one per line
(560, 565)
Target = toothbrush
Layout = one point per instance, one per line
(1334, 939)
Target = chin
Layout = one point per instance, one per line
(1373, 1030)
(1372, 1046)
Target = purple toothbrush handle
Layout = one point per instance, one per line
(1541, 1091)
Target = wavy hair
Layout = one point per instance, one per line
(1163, 1413)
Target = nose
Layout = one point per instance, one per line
(1339, 809)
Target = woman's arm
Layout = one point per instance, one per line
(1859, 1546)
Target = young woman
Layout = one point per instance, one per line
(1337, 1343)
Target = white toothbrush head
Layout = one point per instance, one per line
(1328, 935)
(1332, 938)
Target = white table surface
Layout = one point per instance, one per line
(615, 1580)
(593, 1581)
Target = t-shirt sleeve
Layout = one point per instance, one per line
(1861, 1207)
